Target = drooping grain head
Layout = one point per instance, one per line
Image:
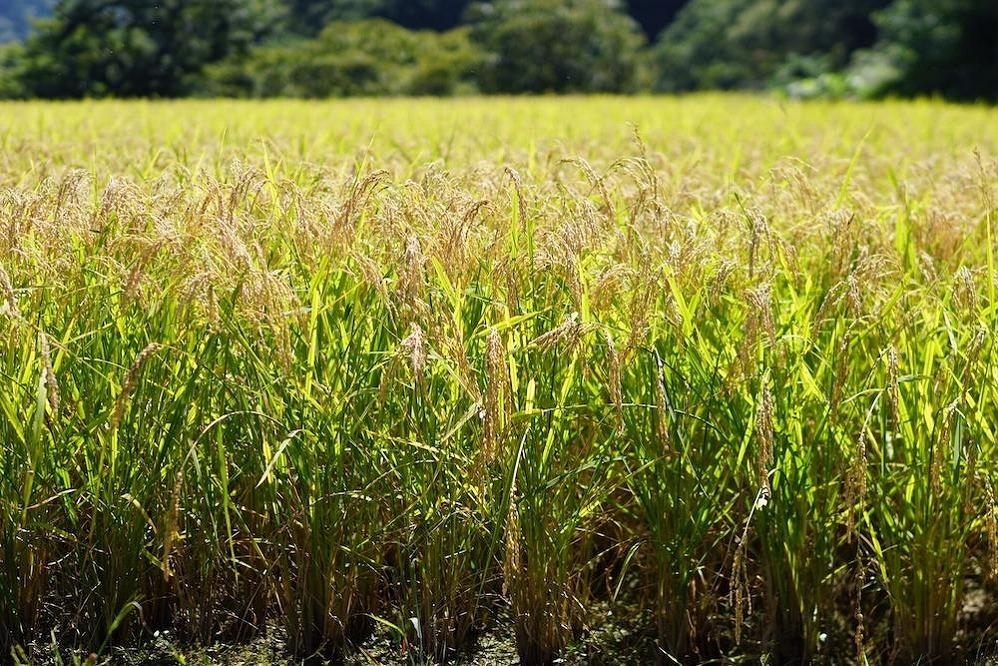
(412, 280)
(415, 347)
(51, 384)
(761, 300)
(130, 382)
(662, 407)
(568, 334)
(941, 446)
(497, 396)
(893, 385)
(765, 435)
(855, 487)
(965, 290)
(9, 296)
(520, 200)
(841, 376)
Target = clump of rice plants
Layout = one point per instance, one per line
(725, 366)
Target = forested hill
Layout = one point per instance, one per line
(652, 15)
(331, 48)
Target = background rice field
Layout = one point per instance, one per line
(438, 370)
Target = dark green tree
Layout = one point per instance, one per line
(946, 47)
(538, 46)
(742, 43)
(372, 57)
(309, 17)
(136, 48)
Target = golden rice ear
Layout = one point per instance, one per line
(893, 385)
(965, 290)
(568, 334)
(941, 447)
(7, 290)
(841, 376)
(855, 485)
(130, 382)
(765, 437)
(51, 384)
(662, 407)
(415, 346)
(521, 201)
(497, 395)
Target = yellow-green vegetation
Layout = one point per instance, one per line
(446, 367)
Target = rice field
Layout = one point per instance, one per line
(438, 370)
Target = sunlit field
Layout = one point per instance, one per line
(717, 371)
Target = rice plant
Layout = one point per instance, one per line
(723, 365)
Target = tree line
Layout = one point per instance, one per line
(323, 48)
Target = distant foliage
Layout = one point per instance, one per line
(16, 17)
(539, 46)
(731, 44)
(804, 48)
(371, 57)
(946, 47)
(310, 16)
(96, 48)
